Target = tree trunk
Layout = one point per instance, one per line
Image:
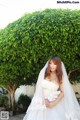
(11, 90)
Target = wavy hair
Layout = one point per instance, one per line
(56, 61)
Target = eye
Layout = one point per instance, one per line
(49, 62)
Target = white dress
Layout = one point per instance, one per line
(37, 109)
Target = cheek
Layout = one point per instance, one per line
(55, 67)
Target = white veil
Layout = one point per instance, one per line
(70, 103)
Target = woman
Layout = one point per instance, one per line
(54, 98)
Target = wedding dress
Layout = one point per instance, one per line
(50, 90)
(67, 109)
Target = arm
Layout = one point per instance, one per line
(57, 100)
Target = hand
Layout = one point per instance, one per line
(48, 103)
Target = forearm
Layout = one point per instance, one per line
(55, 102)
(58, 99)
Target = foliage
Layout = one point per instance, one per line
(3, 101)
(75, 76)
(23, 102)
(26, 44)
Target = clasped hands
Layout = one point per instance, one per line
(49, 104)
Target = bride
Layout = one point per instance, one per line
(54, 98)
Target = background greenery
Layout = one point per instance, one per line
(26, 45)
(23, 103)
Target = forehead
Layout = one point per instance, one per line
(52, 61)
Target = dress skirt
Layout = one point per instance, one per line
(55, 113)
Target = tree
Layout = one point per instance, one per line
(26, 44)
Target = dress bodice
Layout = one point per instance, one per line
(50, 90)
(46, 84)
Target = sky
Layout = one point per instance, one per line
(11, 10)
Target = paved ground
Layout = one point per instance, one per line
(17, 117)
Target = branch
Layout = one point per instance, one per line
(71, 71)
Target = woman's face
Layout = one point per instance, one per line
(52, 66)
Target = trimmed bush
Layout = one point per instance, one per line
(3, 101)
(23, 102)
(31, 40)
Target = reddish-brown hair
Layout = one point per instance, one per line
(56, 61)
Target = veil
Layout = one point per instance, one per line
(70, 103)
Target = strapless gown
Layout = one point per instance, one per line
(37, 109)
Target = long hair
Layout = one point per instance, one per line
(56, 61)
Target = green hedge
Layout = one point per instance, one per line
(31, 40)
(3, 101)
(23, 102)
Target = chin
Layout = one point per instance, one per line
(53, 70)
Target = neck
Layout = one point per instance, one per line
(53, 75)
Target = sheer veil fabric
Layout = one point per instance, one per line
(69, 101)
(71, 104)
